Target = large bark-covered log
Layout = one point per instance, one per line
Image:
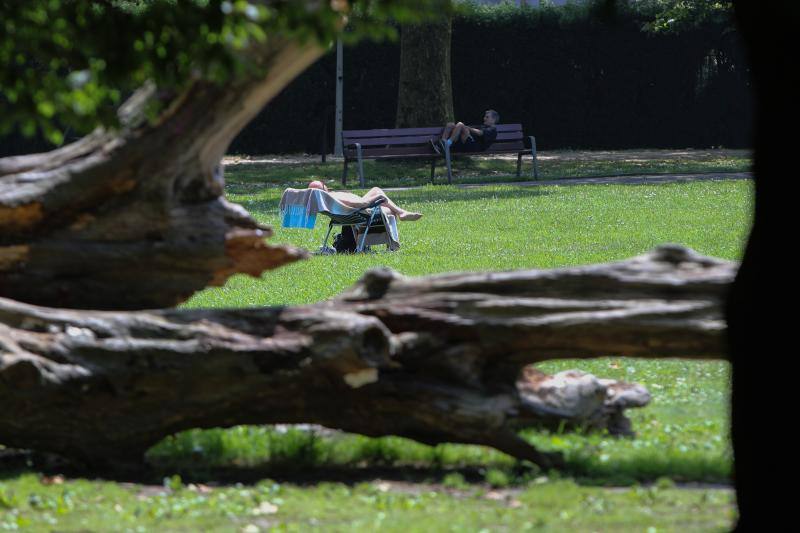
(437, 359)
(136, 218)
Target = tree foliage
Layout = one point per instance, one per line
(671, 16)
(70, 63)
(661, 15)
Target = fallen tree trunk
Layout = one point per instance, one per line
(437, 359)
(136, 218)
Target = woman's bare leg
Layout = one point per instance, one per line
(376, 192)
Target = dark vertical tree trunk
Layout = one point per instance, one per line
(758, 328)
(425, 95)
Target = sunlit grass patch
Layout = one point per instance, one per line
(26, 504)
(501, 227)
(683, 434)
(286, 448)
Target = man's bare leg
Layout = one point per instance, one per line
(376, 192)
(458, 131)
(448, 128)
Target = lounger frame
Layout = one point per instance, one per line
(369, 217)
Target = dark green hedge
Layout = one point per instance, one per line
(573, 77)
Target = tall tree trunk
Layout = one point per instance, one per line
(758, 327)
(425, 94)
(436, 359)
(136, 218)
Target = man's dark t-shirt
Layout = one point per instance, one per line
(488, 137)
(477, 143)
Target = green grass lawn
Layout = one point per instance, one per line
(682, 435)
(84, 505)
(503, 227)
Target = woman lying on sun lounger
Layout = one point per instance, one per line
(353, 200)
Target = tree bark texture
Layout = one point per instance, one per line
(437, 359)
(136, 218)
(425, 94)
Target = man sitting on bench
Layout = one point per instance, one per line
(462, 138)
(353, 200)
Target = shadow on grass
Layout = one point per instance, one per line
(15, 463)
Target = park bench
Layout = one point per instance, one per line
(414, 143)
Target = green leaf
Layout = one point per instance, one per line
(46, 108)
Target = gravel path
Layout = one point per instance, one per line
(688, 154)
(641, 179)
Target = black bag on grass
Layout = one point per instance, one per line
(345, 242)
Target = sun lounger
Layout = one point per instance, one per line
(299, 209)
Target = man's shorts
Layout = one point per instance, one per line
(471, 145)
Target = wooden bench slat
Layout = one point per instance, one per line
(511, 135)
(400, 132)
(398, 150)
(420, 139)
(497, 147)
(424, 151)
(393, 155)
(386, 132)
(507, 127)
(377, 141)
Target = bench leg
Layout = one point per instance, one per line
(361, 181)
(533, 154)
(344, 173)
(433, 170)
(519, 163)
(449, 167)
